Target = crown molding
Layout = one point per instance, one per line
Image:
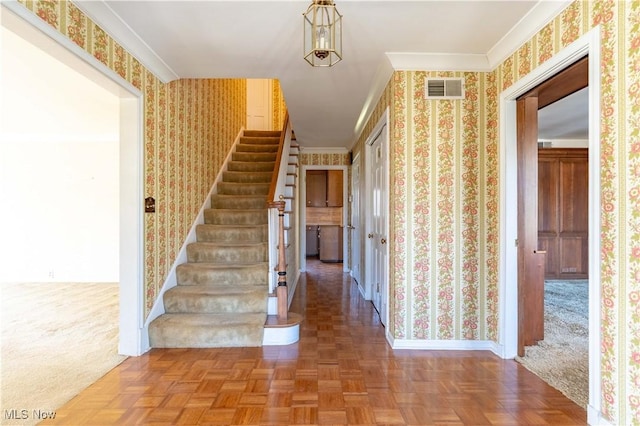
(410, 61)
(539, 16)
(100, 13)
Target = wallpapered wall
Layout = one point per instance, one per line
(452, 235)
(190, 126)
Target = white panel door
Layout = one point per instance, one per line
(378, 222)
(356, 235)
(259, 109)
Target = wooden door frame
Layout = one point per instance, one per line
(588, 44)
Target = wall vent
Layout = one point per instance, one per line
(444, 88)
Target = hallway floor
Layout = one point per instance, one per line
(342, 371)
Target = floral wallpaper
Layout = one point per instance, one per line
(324, 159)
(279, 106)
(190, 125)
(444, 251)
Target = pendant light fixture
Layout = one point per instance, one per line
(322, 34)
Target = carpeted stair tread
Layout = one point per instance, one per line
(252, 177)
(233, 217)
(221, 295)
(234, 234)
(227, 252)
(226, 201)
(207, 330)
(202, 299)
(251, 166)
(235, 188)
(223, 274)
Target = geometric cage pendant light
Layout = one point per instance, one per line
(322, 34)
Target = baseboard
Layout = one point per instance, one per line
(445, 345)
(171, 280)
(594, 417)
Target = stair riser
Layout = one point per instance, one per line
(248, 177)
(255, 302)
(251, 166)
(204, 336)
(237, 202)
(235, 217)
(226, 254)
(251, 275)
(230, 188)
(254, 156)
(254, 147)
(217, 234)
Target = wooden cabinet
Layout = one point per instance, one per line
(324, 188)
(316, 188)
(312, 240)
(334, 188)
(563, 212)
(324, 209)
(331, 243)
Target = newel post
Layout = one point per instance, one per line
(281, 289)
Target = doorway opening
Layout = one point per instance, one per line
(129, 232)
(324, 218)
(589, 45)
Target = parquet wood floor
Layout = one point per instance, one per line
(342, 371)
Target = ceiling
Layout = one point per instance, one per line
(263, 39)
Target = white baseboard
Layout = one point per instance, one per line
(445, 345)
(594, 417)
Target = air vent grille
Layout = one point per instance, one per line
(444, 88)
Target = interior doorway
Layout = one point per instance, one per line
(31, 28)
(589, 44)
(324, 217)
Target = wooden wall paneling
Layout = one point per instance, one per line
(563, 211)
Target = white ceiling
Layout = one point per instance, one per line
(263, 39)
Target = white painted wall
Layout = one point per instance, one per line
(59, 185)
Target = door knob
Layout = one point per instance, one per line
(370, 236)
(383, 241)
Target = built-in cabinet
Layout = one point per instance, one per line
(324, 214)
(563, 206)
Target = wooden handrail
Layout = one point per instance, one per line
(276, 170)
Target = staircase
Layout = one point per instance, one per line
(222, 291)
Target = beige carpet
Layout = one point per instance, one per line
(562, 358)
(57, 339)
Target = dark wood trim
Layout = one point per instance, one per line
(276, 170)
(566, 82)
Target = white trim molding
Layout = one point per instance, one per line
(446, 345)
(588, 44)
(102, 14)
